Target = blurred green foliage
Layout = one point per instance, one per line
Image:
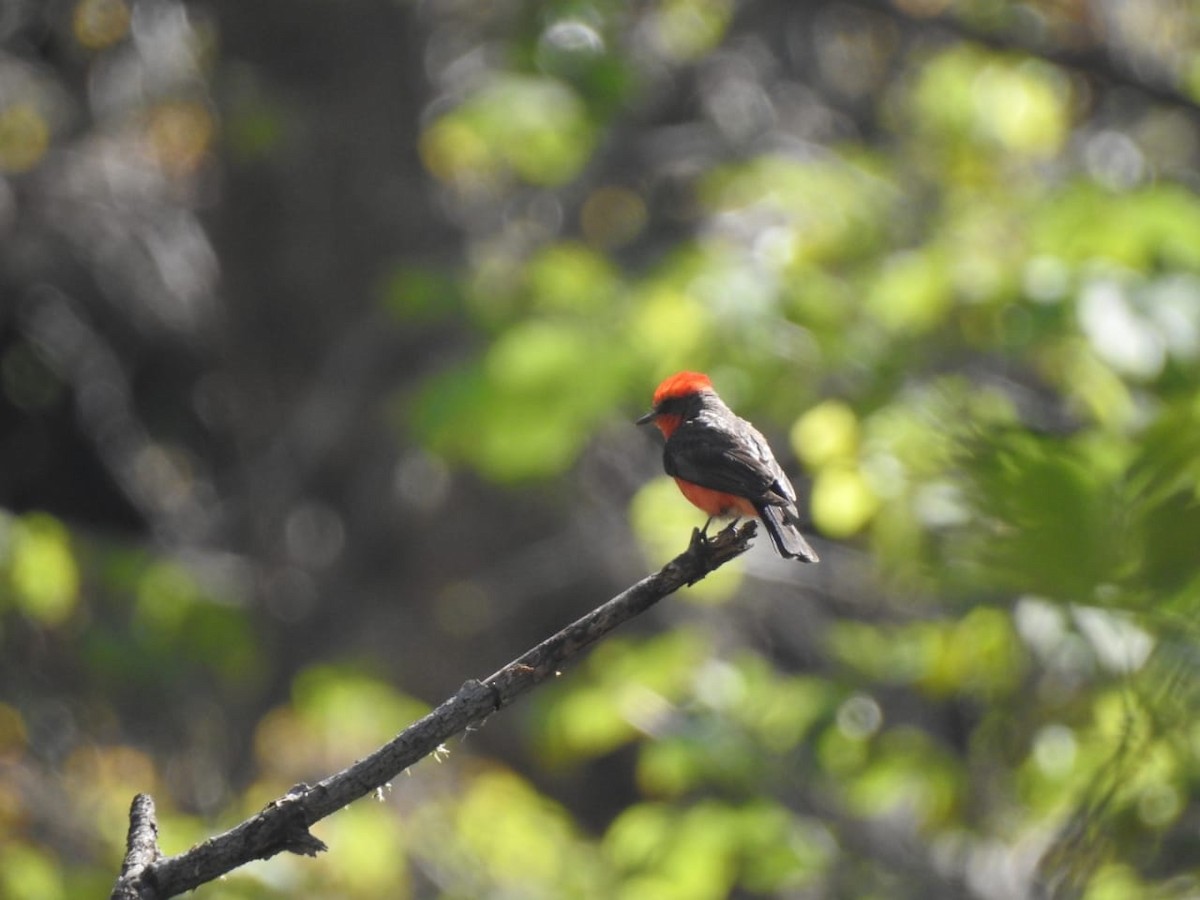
(966, 309)
(42, 573)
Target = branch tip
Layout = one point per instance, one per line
(141, 849)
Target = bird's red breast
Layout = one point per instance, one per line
(715, 503)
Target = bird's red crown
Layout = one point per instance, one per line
(680, 385)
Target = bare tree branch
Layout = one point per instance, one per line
(141, 849)
(283, 824)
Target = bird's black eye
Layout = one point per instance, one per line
(672, 406)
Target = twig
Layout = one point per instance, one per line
(141, 849)
(283, 824)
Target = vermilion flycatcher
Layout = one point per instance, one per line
(722, 464)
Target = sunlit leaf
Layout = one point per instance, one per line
(42, 568)
(992, 102)
(911, 292)
(623, 689)
(842, 501)
(536, 127)
(826, 434)
(571, 278)
(342, 705)
(27, 873)
(906, 772)
(521, 837)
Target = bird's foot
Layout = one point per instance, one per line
(700, 536)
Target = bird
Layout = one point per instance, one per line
(722, 464)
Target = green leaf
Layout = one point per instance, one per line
(42, 568)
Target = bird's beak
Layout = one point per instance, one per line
(647, 418)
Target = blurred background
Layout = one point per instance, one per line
(322, 330)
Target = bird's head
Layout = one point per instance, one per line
(675, 398)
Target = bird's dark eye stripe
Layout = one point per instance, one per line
(672, 406)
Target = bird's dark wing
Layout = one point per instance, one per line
(725, 453)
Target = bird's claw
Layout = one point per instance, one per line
(701, 540)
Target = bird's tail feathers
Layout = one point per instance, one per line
(785, 535)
